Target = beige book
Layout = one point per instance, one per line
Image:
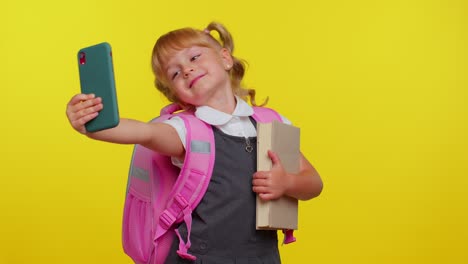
(283, 139)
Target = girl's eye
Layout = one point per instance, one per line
(175, 75)
(195, 57)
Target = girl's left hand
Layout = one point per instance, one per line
(271, 184)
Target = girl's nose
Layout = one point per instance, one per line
(187, 71)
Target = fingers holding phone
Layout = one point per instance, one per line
(81, 109)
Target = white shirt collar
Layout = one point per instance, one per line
(217, 118)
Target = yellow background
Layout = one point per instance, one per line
(379, 89)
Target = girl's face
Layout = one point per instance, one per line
(199, 75)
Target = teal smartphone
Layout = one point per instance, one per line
(96, 72)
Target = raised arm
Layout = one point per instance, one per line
(159, 137)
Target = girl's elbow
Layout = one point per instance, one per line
(315, 190)
(319, 189)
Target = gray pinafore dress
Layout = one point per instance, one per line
(223, 226)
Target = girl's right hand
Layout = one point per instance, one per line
(82, 108)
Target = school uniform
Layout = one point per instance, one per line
(223, 224)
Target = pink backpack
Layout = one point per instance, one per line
(160, 196)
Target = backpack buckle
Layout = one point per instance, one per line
(166, 219)
(180, 201)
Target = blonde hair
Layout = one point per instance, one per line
(183, 38)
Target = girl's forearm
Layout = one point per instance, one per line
(157, 136)
(305, 185)
(128, 131)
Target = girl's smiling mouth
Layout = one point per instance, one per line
(195, 80)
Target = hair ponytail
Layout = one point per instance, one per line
(238, 68)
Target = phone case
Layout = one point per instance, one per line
(97, 76)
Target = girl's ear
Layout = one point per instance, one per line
(227, 58)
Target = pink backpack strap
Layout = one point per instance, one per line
(266, 115)
(170, 109)
(192, 182)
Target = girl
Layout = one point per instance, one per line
(197, 71)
